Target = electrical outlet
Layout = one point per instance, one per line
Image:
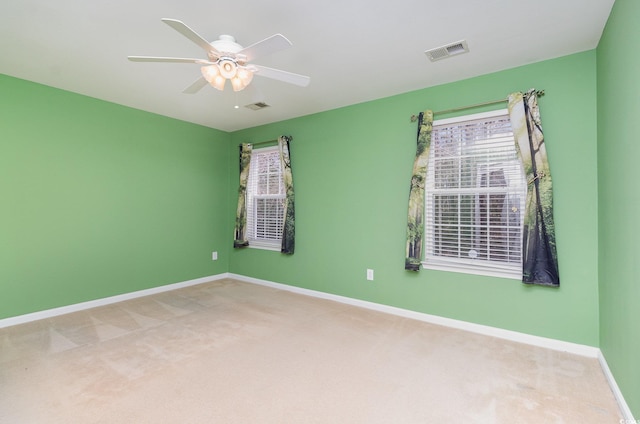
(214, 256)
(370, 274)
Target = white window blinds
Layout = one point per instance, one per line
(475, 193)
(265, 199)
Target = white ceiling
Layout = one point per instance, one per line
(353, 50)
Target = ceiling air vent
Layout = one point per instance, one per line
(449, 50)
(257, 106)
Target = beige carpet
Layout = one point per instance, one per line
(233, 352)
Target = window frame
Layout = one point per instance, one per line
(458, 264)
(257, 242)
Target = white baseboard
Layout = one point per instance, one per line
(548, 343)
(49, 313)
(624, 408)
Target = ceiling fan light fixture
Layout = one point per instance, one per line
(228, 68)
(245, 74)
(212, 74)
(237, 84)
(218, 82)
(216, 75)
(243, 77)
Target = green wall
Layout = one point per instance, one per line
(619, 196)
(99, 199)
(352, 168)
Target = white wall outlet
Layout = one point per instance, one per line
(370, 274)
(214, 256)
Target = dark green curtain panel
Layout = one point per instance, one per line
(240, 231)
(289, 229)
(415, 219)
(539, 257)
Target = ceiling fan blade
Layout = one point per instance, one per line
(265, 47)
(196, 86)
(284, 76)
(166, 59)
(183, 29)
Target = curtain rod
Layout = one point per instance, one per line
(265, 142)
(414, 118)
(260, 142)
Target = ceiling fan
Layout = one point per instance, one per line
(228, 60)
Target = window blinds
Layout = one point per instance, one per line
(265, 198)
(475, 193)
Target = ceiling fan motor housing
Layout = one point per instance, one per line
(226, 44)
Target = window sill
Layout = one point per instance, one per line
(265, 245)
(487, 272)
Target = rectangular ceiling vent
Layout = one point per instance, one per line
(449, 50)
(257, 106)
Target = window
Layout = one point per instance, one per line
(475, 193)
(265, 199)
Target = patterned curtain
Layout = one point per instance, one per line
(539, 257)
(240, 231)
(289, 228)
(415, 221)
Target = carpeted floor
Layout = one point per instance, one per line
(232, 352)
